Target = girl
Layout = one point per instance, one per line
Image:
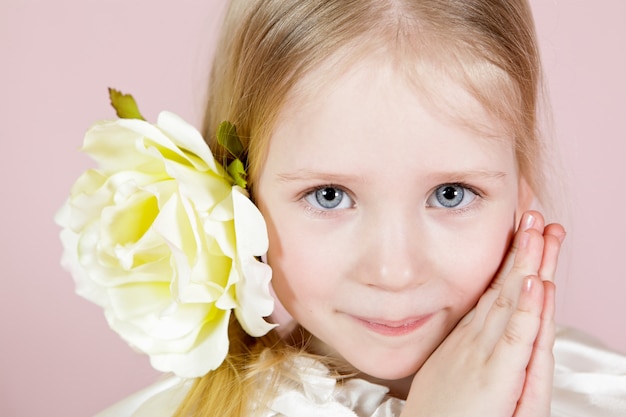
(392, 149)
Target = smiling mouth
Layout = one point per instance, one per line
(393, 328)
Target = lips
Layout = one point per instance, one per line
(393, 327)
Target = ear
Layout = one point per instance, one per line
(525, 199)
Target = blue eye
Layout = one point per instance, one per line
(329, 198)
(451, 196)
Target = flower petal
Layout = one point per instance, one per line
(209, 352)
(162, 240)
(187, 137)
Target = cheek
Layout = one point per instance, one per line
(296, 271)
(473, 257)
(289, 255)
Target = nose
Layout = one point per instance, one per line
(393, 254)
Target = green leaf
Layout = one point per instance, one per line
(125, 105)
(227, 137)
(238, 173)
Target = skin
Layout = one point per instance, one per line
(384, 277)
(498, 360)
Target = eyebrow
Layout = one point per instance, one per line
(452, 176)
(444, 176)
(309, 175)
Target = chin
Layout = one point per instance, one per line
(387, 370)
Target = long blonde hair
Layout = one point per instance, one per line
(268, 46)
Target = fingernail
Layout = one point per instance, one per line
(528, 284)
(561, 237)
(528, 222)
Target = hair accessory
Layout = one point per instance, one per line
(166, 239)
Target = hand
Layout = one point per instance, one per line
(498, 360)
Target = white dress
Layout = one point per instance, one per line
(589, 381)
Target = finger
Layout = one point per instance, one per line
(529, 254)
(554, 234)
(514, 348)
(529, 220)
(528, 247)
(537, 391)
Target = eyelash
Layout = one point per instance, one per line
(314, 211)
(473, 205)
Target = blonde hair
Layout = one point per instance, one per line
(268, 46)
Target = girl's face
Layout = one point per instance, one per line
(386, 221)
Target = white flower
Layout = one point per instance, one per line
(161, 239)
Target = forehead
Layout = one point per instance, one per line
(450, 90)
(371, 109)
(380, 78)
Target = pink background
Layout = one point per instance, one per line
(58, 357)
